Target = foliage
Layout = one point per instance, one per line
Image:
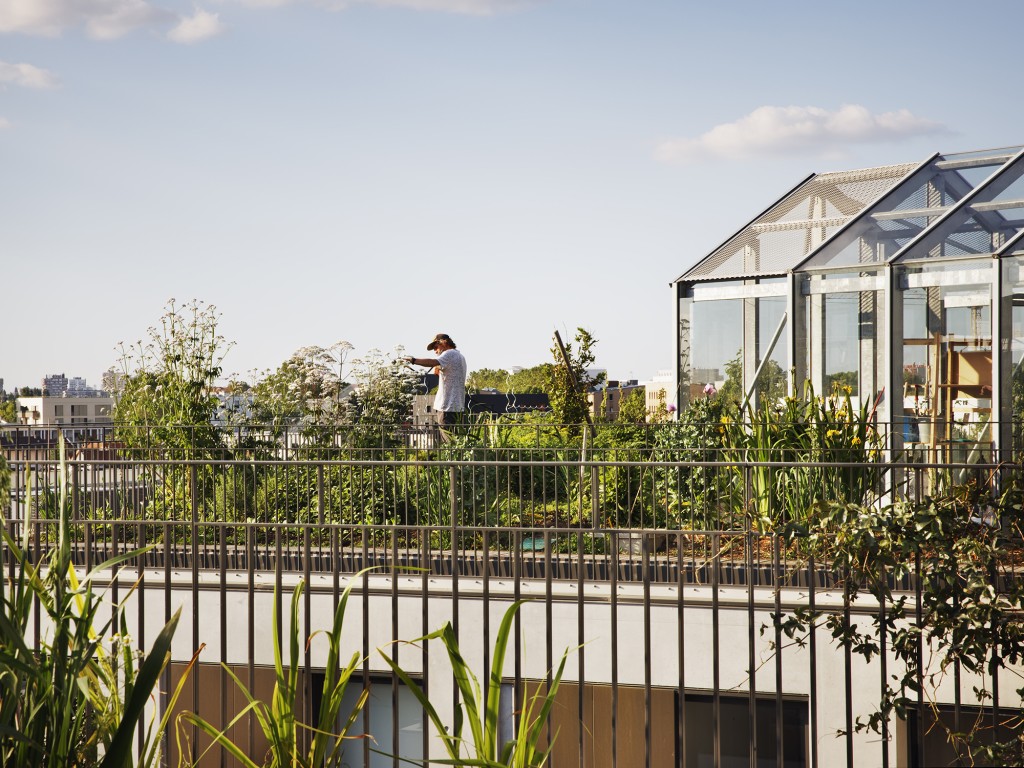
(831, 451)
(8, 410)
(293, 743)
(771, 384)
(481, 710)
(633, 408)
(308, 388)
(701, 494)
(526, 381)
(386, 386)
(568, 384)
(972, 599)
(842, 380)
(71, 700)
(165, 396)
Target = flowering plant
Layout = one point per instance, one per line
(829, 447)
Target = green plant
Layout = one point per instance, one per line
(67, 699)
(164, 397)
(967, 612)
(570, 379)
(480, 708)
(831, 451)
(292, 742)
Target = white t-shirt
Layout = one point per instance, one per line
(451, 391)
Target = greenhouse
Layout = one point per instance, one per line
(891, 283)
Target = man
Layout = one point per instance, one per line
(450, 401)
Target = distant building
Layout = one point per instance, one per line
(47, 410)
(606, 401)
(55, 384)
(660, 391)
(59, 385)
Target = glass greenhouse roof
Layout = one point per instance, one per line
(951, 206)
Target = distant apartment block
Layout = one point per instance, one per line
(659, 391)
(67, 409)
(59, 385)
(606, 402)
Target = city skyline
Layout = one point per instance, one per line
(379, 171)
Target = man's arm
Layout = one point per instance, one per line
(428, 362)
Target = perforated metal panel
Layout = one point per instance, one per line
(780, 238)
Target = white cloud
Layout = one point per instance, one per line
(789, 130)
(26, 75)
(200, 26)
(102, 19)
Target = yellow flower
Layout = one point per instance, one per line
(848, 389)
(855, 441)
(832, 433)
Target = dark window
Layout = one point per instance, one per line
(734, 731)
(938, 748)
(622, 711)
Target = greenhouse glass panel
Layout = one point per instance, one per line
(844, 313)
(1013, 394)
(716, 346)
(947, 360)
(773, 381)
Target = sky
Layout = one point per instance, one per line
(378, 171)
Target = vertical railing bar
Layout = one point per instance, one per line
(548, 625)
(223, 594)
(581, 616)
(614, 588)
(140, 623)
(395, 647)
(680, 720)
(716, 693)
(365, 534)
(166, 541)
(425, 623)
(453, 520)
(193, 492)
(777, 574)
(813, 660)
(848, 668)
(487, 604)
(883, 660)
(279, 582)
(645, 554)
(996, 662)
(517, 591)
(748, 551)
(250, 565)
(307, 623)
(919, 650)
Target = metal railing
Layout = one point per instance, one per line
(654, 574)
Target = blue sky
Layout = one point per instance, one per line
(382, 170)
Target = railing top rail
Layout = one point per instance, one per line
(539, 463)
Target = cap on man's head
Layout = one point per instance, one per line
(441, 337)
